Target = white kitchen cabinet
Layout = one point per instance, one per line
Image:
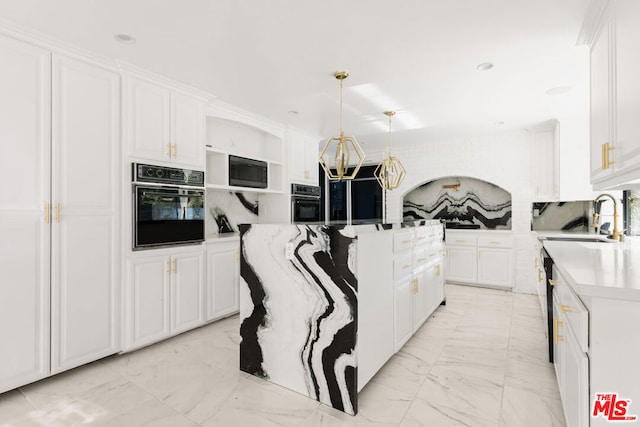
(147, 311)
(420, 303)
(84, 192)
(61, 116)
(480, 257)
(572, 369)
(545, 162)
(615, 96)
(403, 318)
(25, 132)
(303, 157)
(462, 264)
(163, 124)
(223, 278)
(164, 296)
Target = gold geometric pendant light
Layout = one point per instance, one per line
(390, 172)
(344, 147)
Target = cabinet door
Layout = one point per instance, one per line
(575, 400)
(85, 171)
(599, 103)
(558, 345)
(403, 308)
(627, 85)
(148, 120)
(147, 301)
(462, 264)
(303, 158)
(24, 246)
(495, 267)
(545, 164)
(187, 294)
(223, 275)
(420, 298)
(188, 130)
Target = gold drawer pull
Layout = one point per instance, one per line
(553, 282)
(406, 241)
(539, 275)
(47, 209)
(566, 308)
(175, 265)
(175, 151)
(421, 259)
(404, 267)
(493, 242)
(58, 212)
(438, 270)
(421, 238)
(460, 241)
(169, 266)
(169, 150)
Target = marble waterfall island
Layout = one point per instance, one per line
(317, 307)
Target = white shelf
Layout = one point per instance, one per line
(240, 139)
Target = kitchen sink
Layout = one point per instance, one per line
(579, 239)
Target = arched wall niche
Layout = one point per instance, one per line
(460, 201)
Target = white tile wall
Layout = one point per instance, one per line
(504, 160)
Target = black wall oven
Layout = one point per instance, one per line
(168, 206)
(305, 203)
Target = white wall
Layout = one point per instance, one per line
(504, 160)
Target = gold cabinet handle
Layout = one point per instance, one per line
(169, 150)
(605, 155)
(552, 282)
(566, 308)
(438, 270)
(431, 235)
(539, 275)
(47, 209)
(459, 241)
(432, 254)
(57, 212)
(175, 151)
(169, 266)
(535, 261)
(406, 241)
(421, 259)
(493, 242)
(175, 265)
(404, 267)
(422, 237)
(556, 336)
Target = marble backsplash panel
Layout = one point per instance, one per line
(461, 201)
(567, 216)
(226, 209)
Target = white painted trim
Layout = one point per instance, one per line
(594, 20)
(222, 110)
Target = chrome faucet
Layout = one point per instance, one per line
(616, 231)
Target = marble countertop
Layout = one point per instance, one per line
(610, 270)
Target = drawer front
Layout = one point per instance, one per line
(402, 240)
(575, 312)
(402, 266)
(495, 242)
(420, 257)
(457, 240)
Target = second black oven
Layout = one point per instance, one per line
(168, 206)
(305, 203)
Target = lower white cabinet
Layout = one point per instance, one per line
(164, 297)
(572, 369)
(223, 278)
(403, 318)
(480, 257)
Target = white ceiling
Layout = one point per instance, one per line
(417, 57)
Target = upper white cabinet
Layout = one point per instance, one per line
(545, 162)
(303, 157)
(615, 95)
(163, 124)
(238, 133)
(59, 119)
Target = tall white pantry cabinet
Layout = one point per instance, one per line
(59, 251)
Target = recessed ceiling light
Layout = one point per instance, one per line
(485, 66)
(293, 112)
(125, 38)
(558, 90)
(499, 123)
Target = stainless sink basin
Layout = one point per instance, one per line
(579, 239)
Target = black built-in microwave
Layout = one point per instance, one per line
(245, 172)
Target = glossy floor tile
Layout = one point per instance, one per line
(480, 360)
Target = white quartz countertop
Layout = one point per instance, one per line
(610, 270)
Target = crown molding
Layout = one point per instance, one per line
(595, 18)
(56, 46)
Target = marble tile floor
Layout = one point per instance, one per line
(478, 361)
